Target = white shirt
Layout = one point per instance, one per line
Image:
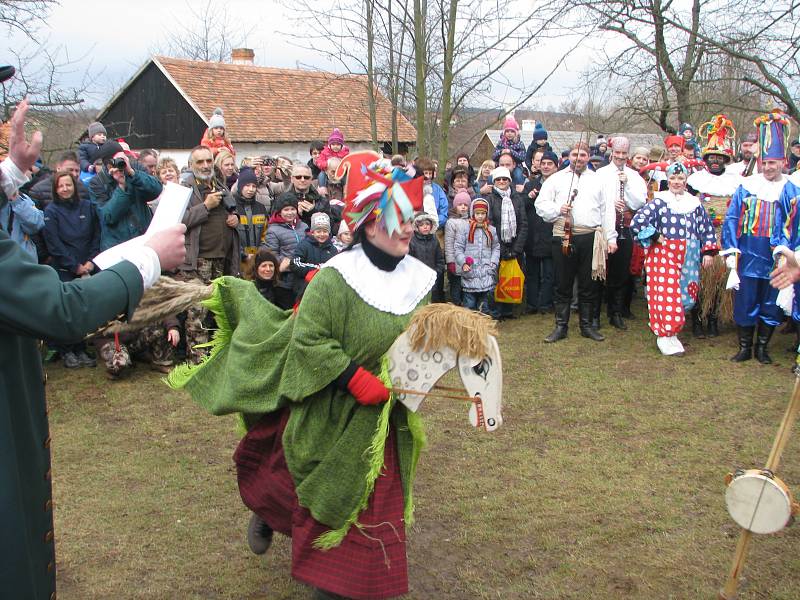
(715, 185)
(589, 208)
(739, 167)
(635, 188)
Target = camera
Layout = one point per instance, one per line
(118, 163)
(228, 202)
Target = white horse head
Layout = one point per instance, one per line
(442, 337)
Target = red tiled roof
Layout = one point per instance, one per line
(263, 104)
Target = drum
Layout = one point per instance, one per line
(759, 502)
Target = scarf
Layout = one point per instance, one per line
(473, 225)
(277, 218)
(508, 218)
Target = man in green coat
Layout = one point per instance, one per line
(34, 304)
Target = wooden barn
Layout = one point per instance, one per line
(167, 103)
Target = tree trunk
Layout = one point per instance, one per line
(420, 55)
(373, 116)
(447, 88)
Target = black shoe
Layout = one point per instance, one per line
(697, 325)
(85, 360)
(588, 330)
(259, 535)
(562, 323)
(713, 327)
(618, 322)
(559, 333)
(71, 361)
(745, 344)
(763, 335)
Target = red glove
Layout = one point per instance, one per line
(366, 388)
(451, 268)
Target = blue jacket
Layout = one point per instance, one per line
(748, 227)
(442, 204)
(85, 153)
(126, 214)
(21, 219)
(72, 234)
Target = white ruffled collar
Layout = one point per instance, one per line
(763, 189)
(680, 204)
(715, 185)
(397, 292)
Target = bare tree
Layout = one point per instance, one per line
(23, 15)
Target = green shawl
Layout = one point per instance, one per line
(263, 359)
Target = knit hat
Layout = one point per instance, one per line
(95, 128)
(620, 142)
(6, 72)
(246, 175)
(461, 198)
(539, 132)
(601, 139)
(685, 127)
(550, 155)
(216, 119)
(422, 217)
(284, 200)
(264, 255)
(672, 140)
(479, 204)
(510, 123)
(501, 172)
(320, 220)
(335, 137)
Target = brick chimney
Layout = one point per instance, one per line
(242, 56)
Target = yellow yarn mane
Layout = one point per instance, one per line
(464, 330)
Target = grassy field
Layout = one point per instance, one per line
(605, 482)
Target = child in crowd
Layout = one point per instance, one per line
(284, 233)
(317, 248)
(425, 247)
(314, 150)
(344, 237)
(216, 136)
(334, 190)
(335, 148)
(511, 141)
(266, 273)
(434, 201)
(477, 256)
(97, 137)
(483, 183)
(457, 221)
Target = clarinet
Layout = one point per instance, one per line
(750, 166)
(566, 241)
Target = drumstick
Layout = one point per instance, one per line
(789, 417)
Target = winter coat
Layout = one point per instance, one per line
(309, 255)
(85, 151)
(266, 289)
(327, 154)
(42, 192)
(72, 234)
(540, 233)
(516, 247)
(314, 169)
(282, 240)
(451, 231)
(126, 214)
(216, 145)
(426, 249)
(440, 201)
(22, 221)
(482, 275)
(252, 228)
(517, 149)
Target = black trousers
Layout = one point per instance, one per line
(618, 275)
(577, 265)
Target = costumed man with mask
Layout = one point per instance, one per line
(574, 197)
(35, 304)
(627, 191)
(714, 186)
(746, 235)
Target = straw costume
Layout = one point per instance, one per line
(318, 463)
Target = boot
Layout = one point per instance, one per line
(697, 325)
(745, 344)
(618, 322)
(712, 329)
(598, 308)
(562, 323)
(588, 330)
(616, 319)
(259, 535)
(763, 335)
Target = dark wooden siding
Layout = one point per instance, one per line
(151, 113)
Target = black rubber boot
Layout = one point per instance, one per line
(763, 335)
(618, 301)
(562, 323)
(588, 330)
(697, 325)
(618, 322)
(712, 329)
(745, 344)
(598, 309)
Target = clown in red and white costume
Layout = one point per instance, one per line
(679, 237)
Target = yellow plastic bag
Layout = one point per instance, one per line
(510, 282)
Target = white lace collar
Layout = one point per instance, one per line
(763, 189)
(715, 185)
(397, 292)
(681, 203)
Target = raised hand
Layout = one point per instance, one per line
(20, 150)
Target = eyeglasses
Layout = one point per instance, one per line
(304, 177)
(502, 179)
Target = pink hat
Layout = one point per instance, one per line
(510, 123)
(461, 198)
(335, 137)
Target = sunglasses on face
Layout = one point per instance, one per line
(304, 177)
(502, 179)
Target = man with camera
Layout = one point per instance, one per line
(212, 242)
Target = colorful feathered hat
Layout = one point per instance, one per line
(773, 135)
(719, 134)
(377, 191)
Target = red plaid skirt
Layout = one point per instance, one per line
(370, 563)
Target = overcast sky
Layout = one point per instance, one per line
(111, 40)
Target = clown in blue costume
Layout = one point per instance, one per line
(746, 243)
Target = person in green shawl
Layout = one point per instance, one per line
(328, 458)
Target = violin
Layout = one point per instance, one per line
(566, 241)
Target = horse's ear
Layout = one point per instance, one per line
(351, 166)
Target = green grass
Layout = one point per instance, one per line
(605, 482)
